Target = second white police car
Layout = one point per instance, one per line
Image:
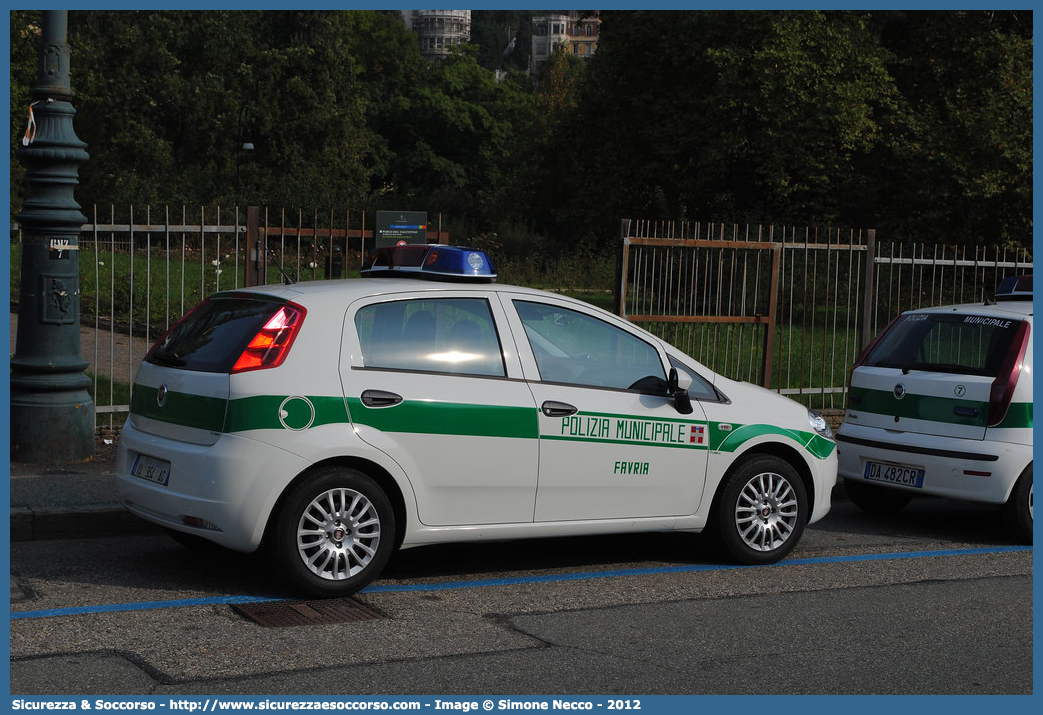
(940, 404)
(336, 421)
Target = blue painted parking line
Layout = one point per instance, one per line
(143, 606)
(518, 580)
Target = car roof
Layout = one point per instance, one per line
(353, 288)
(1012, 309)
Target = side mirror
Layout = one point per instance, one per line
(678, 387)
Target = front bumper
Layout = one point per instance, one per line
(824, 474)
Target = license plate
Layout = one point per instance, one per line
(152, 469)
(894, 474)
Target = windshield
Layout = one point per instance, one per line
(213, 336)
(945, 342)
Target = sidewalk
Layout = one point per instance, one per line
(108, 353)
(75, 500)
(78, 500)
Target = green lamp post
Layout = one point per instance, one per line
(52, 414)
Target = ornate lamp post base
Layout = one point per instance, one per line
(52, 415)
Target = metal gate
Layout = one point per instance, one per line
(790, 308)
(712, 296)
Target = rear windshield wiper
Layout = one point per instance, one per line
(168, 358)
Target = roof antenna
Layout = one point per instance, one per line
(288, 281)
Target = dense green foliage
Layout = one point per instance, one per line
(918, 124)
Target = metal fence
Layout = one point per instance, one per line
(790, 308)
(141, 269)
(786, 307)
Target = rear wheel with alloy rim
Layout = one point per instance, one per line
(335, 532)
(762, 510)
(1018, 509)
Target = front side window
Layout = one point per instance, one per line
(700, 389)
(451, 335)
(575, 348)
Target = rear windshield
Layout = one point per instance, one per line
(965, 344)
(213, 336)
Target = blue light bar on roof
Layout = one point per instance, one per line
(1015, 288)
(434, 262)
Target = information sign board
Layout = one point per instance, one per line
(394, 227)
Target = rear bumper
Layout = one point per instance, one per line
(232, 485)
(972, 470)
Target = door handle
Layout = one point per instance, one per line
(380, 398)
(558, 409)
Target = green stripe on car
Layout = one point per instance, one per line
(298, 412)
(731, 439)
(179, 408)
(294, 412)
(1019, 416)
(938, 409)
(920, 407)
(422, 417)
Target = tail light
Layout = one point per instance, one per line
(1007, 379)
(270, 346)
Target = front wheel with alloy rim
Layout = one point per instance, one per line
(762, 510)
(334, 532)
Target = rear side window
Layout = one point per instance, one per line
(213, 336)
(934, 342)
(451, 335)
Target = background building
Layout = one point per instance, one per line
(579, 29)
(439, 30)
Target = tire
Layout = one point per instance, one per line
(1018, 510)
(762, 510)
(334, 532)
(874, 499)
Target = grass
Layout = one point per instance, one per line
(106, 391)
(147, 289)
(804, 357)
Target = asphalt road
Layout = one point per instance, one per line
(927, 602)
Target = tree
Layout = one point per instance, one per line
(694, 115)
(957, 163)
(503, 38)
(917, 124)
(25, 43)
(451, 138)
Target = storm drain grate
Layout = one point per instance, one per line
(283, 614)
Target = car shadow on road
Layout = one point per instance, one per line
(930, 519)
(550, 555)
(156, 568)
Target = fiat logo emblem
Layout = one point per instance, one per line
(899, 391)
(161, 395)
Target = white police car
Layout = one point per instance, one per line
(940, 403)
(336, 421)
